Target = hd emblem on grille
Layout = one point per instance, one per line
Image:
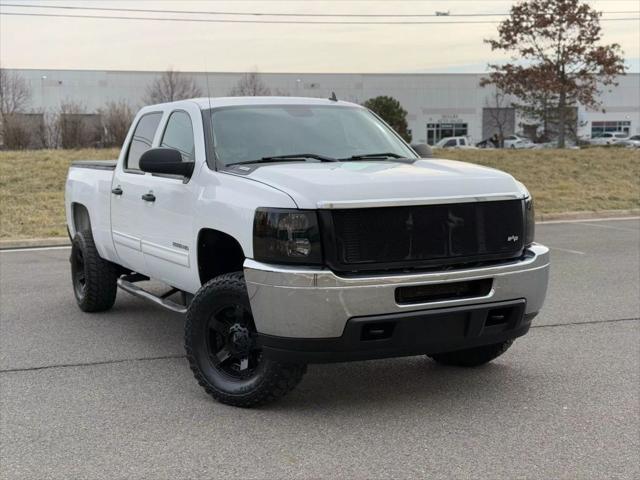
(512, 238)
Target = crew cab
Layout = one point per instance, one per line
(292, 231)
(454, 142)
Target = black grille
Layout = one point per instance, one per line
(400, 237)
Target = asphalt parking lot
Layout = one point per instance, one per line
(111, 396)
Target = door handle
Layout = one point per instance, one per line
(149, 197)
(116, 191)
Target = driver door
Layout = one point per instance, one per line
(169, 241)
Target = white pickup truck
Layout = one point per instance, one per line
(294, 231)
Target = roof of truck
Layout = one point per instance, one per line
(214, 102)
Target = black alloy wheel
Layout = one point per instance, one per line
(223, 350)
(231, 342)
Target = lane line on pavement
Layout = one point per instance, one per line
(588, 322)
(577, 252)
(610, 227)
(604, 219)
(172, 357)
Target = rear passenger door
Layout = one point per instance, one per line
(128, 186)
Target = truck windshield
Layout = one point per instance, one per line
(247, 133)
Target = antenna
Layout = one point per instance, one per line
(333, 97)
(209, 121)
(206, 76)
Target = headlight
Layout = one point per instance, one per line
(529, 222)
(286, 236)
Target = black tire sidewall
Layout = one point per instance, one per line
(100, 275)
(270, 380)
(214, 297)
(78, 244)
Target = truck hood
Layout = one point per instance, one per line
(387, 183)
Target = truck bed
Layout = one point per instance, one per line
(96, 164)
(89, 184)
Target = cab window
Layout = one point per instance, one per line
(142, 139)
(178, 135)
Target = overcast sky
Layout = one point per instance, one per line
(43, 42)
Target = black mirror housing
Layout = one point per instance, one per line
(423, 150)
(166, 161)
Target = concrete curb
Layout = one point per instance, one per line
(34, 242)
(556, 217)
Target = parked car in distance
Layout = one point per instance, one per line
(523, 144)
(454, 142)
(633, 141)
(609, 138)
(517, 141)
(486, 143)
(292, 231)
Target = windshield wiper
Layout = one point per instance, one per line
(371, 156)
(287, 158)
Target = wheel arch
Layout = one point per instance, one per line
(217, 253)
(81, 218)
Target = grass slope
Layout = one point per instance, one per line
(32, 190)
(32, 182)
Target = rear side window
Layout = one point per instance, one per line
(179, 135)
(142, 139)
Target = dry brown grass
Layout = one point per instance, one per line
(32, 182)
(593, 179)
(32, 190)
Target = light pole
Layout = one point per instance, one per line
(42, 79)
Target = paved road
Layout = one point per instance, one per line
(111, 396)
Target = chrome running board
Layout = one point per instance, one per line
(163, 301)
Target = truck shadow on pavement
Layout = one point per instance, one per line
(405, 383)
(351, 387)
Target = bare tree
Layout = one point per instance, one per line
(75, 127)
(170, 87)
(499, 110)
(250, 85)
(15, 95)
(15, 132)
(115, 119)
(45, 133)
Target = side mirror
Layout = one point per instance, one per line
(165, 160)
(423, 150)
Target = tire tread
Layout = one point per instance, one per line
(280, 379)
(101, 276)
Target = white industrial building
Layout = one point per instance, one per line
(438, 105)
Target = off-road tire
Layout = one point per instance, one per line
(472, 357)
(97, 290)
(271, 380)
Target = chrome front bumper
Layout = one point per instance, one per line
(316, 303)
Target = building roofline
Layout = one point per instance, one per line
(202, 72)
